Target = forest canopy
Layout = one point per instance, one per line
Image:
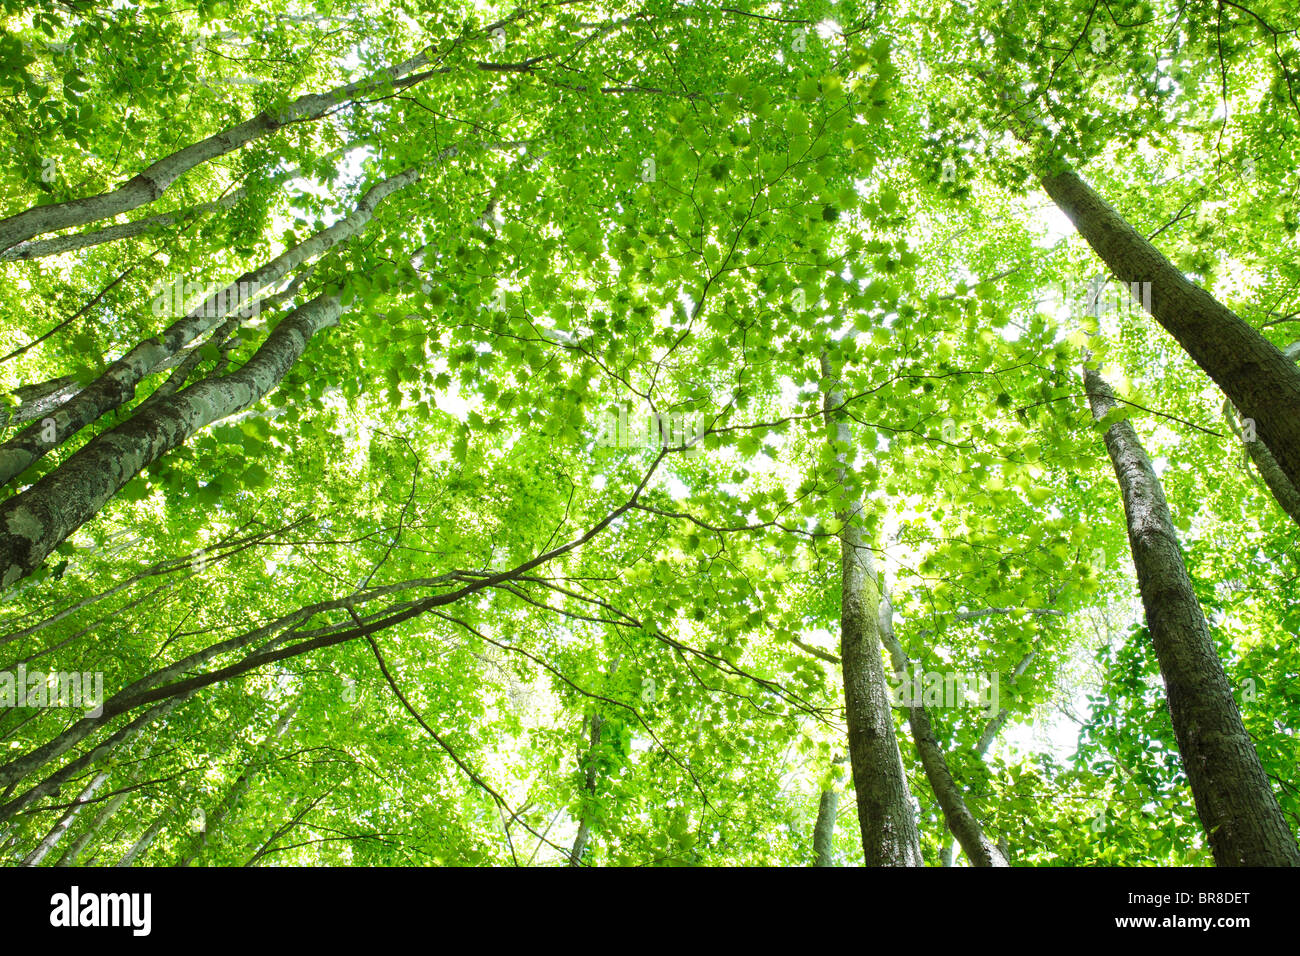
(650, 433)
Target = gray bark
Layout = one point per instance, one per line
(1234, 800)
(885, 815)
(152, 181)
(105, 814)
(995, 725)
(37, 400)
(84, 240)
(34, 522)
(589, 784)
(116, 386)
(38, 249)
(56, 833)
(145, 841)
(1252, 372)
(19, 768)
(1282, 489)
(41, 398)
(1278, 485)
(824, 829)
(990, 734)
(236, 792)
(78, 846)
(980, 850)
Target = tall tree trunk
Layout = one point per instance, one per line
(145, 841)
(885, 814)
(59, 829)
(990, 734)
(236, 792)
(824, 829)
(34, 522)
(1283, 491)
(1266, 466)
(151, 182)
(82, 240)
(980, 850)
(1251, 371)
(116, 386)
(589, 784)
(78, 846)
(1237, 807)
(19, 768)
(590, 779)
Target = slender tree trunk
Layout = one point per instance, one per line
(1234, 800)
(236, 792)
(116, 386)
(19, 768)
(35, 522)
(83, 240)
(991, 731)
(590, 780)
(998, 721)
(885, 814)
(56, 833)
(152, 181)
(980, 850)
(41, 398)
(824, 829)
(589, 784)
(145, 841)
(78, 846)
(1252, 372)
(1286, 494)
(1278, 485)
(106, 813)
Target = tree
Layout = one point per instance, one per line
(533, 402)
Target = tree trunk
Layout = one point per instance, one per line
(152, 181)
(126, 230)
(236, 791)
(584, 825)
(145, 841)
(116, 386)
(78, 846)
(59, 829)
(1278, 485)
(979, 849)
(1286, 494)
(1252, 372)
(885, 814)
(16, 770)
(1237, 807)
(39, 399)
(824, 829)
(35, 522)
(991, 731)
